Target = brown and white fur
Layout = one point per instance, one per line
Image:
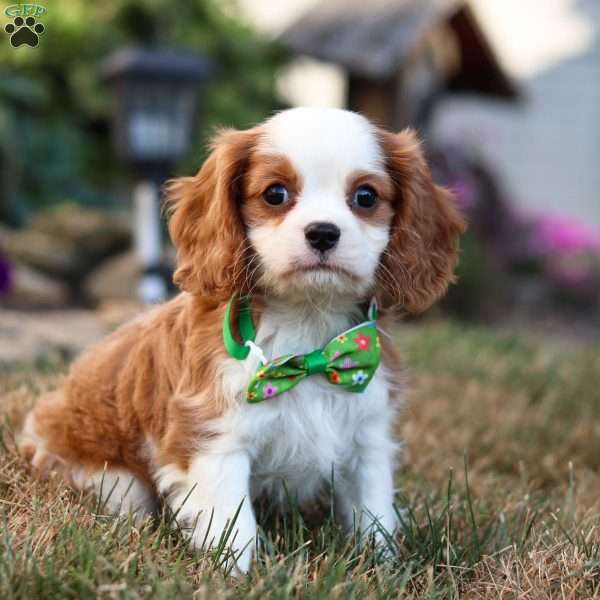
(157, 409)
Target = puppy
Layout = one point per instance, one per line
(305, 219)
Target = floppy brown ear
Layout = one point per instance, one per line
(419, 262)
(205, 224)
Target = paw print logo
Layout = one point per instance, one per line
(24, 31)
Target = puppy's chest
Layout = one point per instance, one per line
(312, 426)
(309, 426)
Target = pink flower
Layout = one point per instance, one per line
(269, 390)
(553, 234)
(362, 341)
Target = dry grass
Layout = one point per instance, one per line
(524, 417)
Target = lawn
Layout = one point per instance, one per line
(499, 482)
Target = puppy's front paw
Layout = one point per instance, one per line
(381, 532)
(235, 535)
(213, 506)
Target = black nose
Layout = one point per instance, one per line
(322, 236)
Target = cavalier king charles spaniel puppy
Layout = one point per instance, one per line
(271, 369)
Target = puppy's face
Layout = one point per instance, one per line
(315, 202)
(318, 203)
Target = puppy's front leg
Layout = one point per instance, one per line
(375, 485)
(207, 498)
(368, 490)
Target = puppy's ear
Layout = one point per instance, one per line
(205, 223)
(418, 264)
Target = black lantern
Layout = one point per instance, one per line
(156, 96)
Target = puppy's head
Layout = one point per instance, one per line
(315, 202)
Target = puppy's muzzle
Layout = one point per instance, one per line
(322, 236)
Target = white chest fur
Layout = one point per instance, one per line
(304, 434)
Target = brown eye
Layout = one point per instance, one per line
(276, 195)
(364, 197)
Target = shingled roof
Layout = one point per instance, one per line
(372, 38)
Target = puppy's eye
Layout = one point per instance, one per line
(275, 195)
(365, 197)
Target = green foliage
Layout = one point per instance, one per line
(54, 111)
(478, 293)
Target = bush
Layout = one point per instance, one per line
(567, 253)
(54, 112)
(510, 261)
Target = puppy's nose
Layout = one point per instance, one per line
(322, 236)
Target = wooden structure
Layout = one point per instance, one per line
(401, 55)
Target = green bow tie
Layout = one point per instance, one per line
(348, 360)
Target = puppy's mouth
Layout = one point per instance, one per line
(320, 267)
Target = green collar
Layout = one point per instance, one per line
(245, 326)
(349, 360)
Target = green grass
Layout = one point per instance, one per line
(499, 492)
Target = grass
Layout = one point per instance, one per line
(499, 486)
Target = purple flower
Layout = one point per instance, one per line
(269, 390)
(465, 193)
(336, 355)
(5, 275)
(348, 363)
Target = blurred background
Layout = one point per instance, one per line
(113, 98)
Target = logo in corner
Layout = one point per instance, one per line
(25, 28)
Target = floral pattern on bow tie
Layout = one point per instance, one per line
(348, 361)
